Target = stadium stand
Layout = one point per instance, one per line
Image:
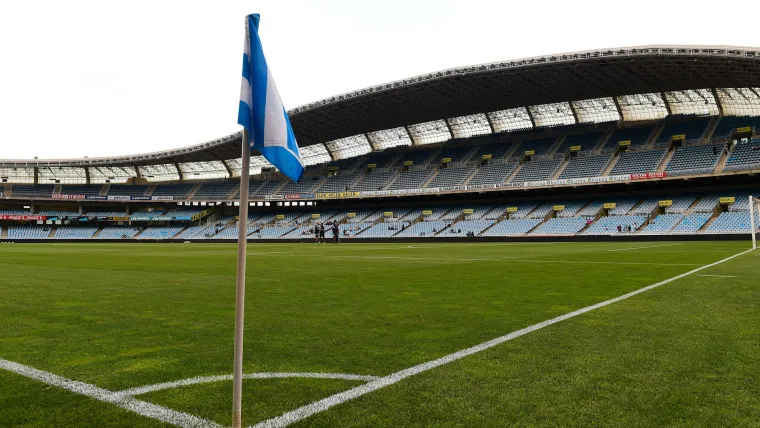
(39, 190)
(464, 227)
(587, 142)
(124, 190)
(381, 230)
(423, 228)
(691, 223)
(638, 162)
(410, 179)
(609, 225)
(694, 130)
(542, 146)
(512, 227)
(745, 156)
(28, 232)
(585, 166)
(216, 191)
(178, 191)
(337, 183)
(732, 222)
(561, 226)
(537, 170)
(262, 188)
(663, 223)
(728, 124)
(694, 160)
(637, 136)
(374, 181)
(492, 174)
(75, 232)
(160, 232)
(450, 177)
(86, 190)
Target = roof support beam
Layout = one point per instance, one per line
(530, 116)
(227, 167)
(754, 91)
(717, 101)
(330, 152)
(87, 174)
(179, 172)
(406, 128)
(451, 133)
(619, 110)
(36, 175)
(667, 104)
(490, 124)
(575, 113)
(137, 171)
(371, 146)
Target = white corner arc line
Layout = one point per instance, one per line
(341, 397)
(270, 375)
(641, 248)
(142, 408)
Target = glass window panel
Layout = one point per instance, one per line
(642, 107)
(388, 138)
(699, 102)
(597, 110)
(430, 132)
(555, 114)
(469, 126)
(349, 147)
(514, 119)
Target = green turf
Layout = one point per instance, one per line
(121, 316)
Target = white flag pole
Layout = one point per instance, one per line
(237, 382)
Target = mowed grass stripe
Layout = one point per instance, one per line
(136, 320)
(681, 355)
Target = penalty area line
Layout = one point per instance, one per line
(641, 248)
(342, 397)
(125, 402)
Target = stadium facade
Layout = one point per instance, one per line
(635, 142)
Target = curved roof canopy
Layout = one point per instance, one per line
(437, 99)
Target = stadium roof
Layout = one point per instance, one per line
(450, 94)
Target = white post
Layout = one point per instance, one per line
(237, 382)
(752, 221)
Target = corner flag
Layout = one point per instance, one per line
(261, 111)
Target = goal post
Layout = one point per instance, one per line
(754, 209)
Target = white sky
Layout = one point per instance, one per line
(99, 78)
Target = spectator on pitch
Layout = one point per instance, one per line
(336, 232)
(316, 234)
(321, 233)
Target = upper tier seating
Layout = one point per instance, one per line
(681, 203)
(86, 190)
(39, 190)
(337, 183)
(694, 160)
(637, 136)
(638, 162)
(587, 142)
(608, 225)
(586, 166)
(542, 146)
(124, 190)
(571, 208)
(216, 191)
(418, 157)
(374, 181)
(646, 206)
(450, 177)
(492, 174)
(744, 156)
(693, 129)
(512, 227)
(496, 150)
(381, 159)
(196, 232)
(537, 170)
(560, 226)
(457, 154)
(306, 185)
(727, 125)
(178, 191)
(263, 188)
(411, 179)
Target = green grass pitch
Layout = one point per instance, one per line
(122, 316)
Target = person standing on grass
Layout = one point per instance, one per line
(336, 232)
(316, 233)
(321, 233)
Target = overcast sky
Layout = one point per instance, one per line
(99, 78)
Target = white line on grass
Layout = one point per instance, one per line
(143, 408)
(333, 400)
(641, 248)
(720, 276)
(470, 259)
(208, 379)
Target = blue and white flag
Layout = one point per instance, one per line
(261, 110)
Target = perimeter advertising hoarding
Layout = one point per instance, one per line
(68, 196)
(30, 217)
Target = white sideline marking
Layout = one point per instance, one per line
(641, 248)
(207, 379)
(585, 262)
(321, 405)
(720, 276)
(143, 408)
